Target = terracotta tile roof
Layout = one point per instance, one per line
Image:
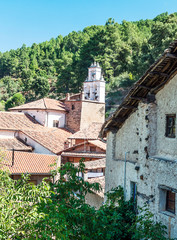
(43, 104)
(98, 143)
(51, 138)
(101, 163)
(101, 181)
(24, 162)
(17, 121)
(83, 154)
(91, 132)
(14, 143)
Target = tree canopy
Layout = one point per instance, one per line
(59, 211)
(120, 48)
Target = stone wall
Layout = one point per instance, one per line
(73, 117)
(151, 157)
(92, 112)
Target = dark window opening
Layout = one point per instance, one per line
(73, 107)
(170, 202)
(170, 126)
(55, 123)
(92, 149)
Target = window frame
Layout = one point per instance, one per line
(169, 200)
(170, 130)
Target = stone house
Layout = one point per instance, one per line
(141, 141)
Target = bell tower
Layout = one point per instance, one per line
(94, 85)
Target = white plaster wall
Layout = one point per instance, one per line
(92, 112)
(93, 175)
(7, 134)
(37, 147)
(131, 137)
(147, 124)
(56, 116)
(40, 115)
(94, 200)
(166, 104)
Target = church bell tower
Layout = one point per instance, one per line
(94, 85)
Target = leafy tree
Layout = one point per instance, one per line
(16, 100)
(40, 87)
(59, 211)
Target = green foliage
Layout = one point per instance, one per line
(59, 211)
(16, 100)
(41, 86)
(128, 47)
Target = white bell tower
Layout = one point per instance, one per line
(94, 85)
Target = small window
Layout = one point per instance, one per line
(92, 149)
(73, 107)
(170, 126)
(133, 190)
(170, 202)
(55, 123)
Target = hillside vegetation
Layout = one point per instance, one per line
(55, 67)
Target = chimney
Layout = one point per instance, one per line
(85, 175)
(82, 96)
(67, 97)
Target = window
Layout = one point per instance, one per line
(55, 123)
(170, 125)
(170, 202)
(92, 149)
(133, 191)
(73, 107)
(166, 200)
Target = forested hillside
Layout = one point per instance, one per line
(55, 67)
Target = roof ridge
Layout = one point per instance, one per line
(44, 103)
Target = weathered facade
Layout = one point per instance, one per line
(141, 138)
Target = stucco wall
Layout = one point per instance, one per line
(56, 116)
(37, 147)
(167, 104)
(7, 134)
(92, 112)
(94, 200)
(144, 131)
(40, 115)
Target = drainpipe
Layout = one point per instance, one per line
(125, 165)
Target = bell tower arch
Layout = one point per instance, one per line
(94, 85)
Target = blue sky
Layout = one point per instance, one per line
(29, 21)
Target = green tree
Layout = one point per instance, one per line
(16, 100)
(59, 211)
(40, 86)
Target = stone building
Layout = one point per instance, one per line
(142, 140)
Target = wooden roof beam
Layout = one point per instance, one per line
(145, 87)
(171, 55)
(138, 98)
(159, 73)
(129, 107)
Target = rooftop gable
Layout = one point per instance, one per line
(42, 104)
